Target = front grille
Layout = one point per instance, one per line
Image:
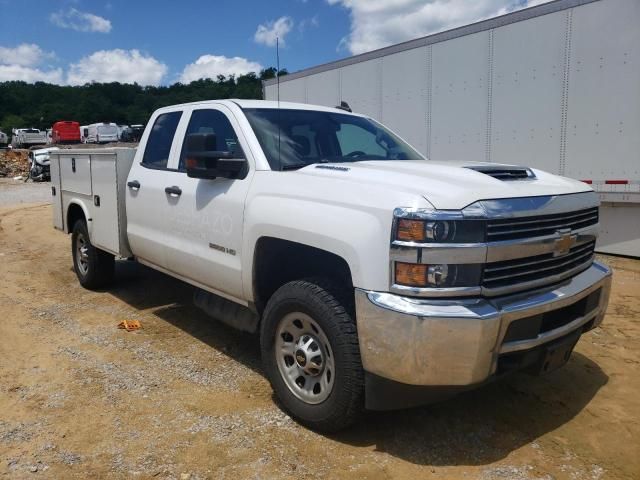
(521, 270)
(529, 227)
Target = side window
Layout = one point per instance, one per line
(156, 153)
(211, 121)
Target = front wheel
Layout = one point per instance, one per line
(311, 355)
(94, 267)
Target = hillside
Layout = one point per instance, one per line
(40, 104)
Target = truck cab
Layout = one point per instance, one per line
(375, 278)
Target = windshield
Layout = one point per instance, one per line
(293, 139)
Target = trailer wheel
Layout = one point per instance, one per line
(311, 356)
(94, 267)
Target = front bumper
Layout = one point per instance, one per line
(436, 342)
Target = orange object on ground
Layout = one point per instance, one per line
(130, 325)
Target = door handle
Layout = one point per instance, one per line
(173, 191)
(134, 184)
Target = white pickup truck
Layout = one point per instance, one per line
(375, 278)
(28, 137)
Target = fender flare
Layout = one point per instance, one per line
(80, 203)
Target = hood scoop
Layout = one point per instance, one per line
(504, 172)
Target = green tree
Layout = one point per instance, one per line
(41, 104)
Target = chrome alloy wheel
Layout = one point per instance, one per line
(82, 254)
(304, 358)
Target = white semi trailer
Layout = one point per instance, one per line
(556, 86)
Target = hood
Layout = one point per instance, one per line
(446, 185)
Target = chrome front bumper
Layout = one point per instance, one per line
(434, 342)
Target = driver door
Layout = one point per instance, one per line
(207, 216)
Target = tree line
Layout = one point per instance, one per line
(39, 105)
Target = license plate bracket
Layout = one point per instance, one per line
(557, 354)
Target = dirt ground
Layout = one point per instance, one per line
(185, 397)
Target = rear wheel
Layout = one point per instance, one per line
(311, 355)
(94, 267)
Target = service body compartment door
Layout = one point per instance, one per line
(56, 194)
(105, 227)
(75, 171)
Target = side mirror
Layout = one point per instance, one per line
(202, 160)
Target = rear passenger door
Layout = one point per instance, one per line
(147, 202)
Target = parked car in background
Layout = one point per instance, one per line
(39, 164)
(104, 132)
(132, 133)
(121, 128)
(28, 137)
(84, 133)
(4, 139)
(66, 131)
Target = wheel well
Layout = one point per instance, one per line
(278, 261)
(74, 213)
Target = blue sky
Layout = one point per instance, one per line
(163, 41)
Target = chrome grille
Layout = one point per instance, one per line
(523, 270)
(537, 226)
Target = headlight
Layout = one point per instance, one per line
(440, 231)
(422, 275)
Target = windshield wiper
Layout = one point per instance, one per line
(295, 166)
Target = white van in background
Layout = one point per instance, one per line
(84, 133)
(102, 133)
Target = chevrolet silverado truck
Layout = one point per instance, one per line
(375, 278)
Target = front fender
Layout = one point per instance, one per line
(358, 236)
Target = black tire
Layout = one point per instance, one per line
(332, 310)
(97, 267)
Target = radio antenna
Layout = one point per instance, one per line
(278, 87)
(278, 67)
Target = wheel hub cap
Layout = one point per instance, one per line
(301, 358)
(82, 254)
(309, 355)
(304, 358)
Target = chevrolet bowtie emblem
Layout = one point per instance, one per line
(563, 245)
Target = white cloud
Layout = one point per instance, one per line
(124, 66)
(29, 75)
(308, 22)
(210, 66)
(378, 23)
(22, 63)
(25, 55)
(80, 21)
(268, 32)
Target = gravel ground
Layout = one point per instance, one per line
(18, 191)
(185, 396)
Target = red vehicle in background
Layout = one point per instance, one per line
(65, 132)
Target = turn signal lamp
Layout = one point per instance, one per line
(411, 274)
(411, 230)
